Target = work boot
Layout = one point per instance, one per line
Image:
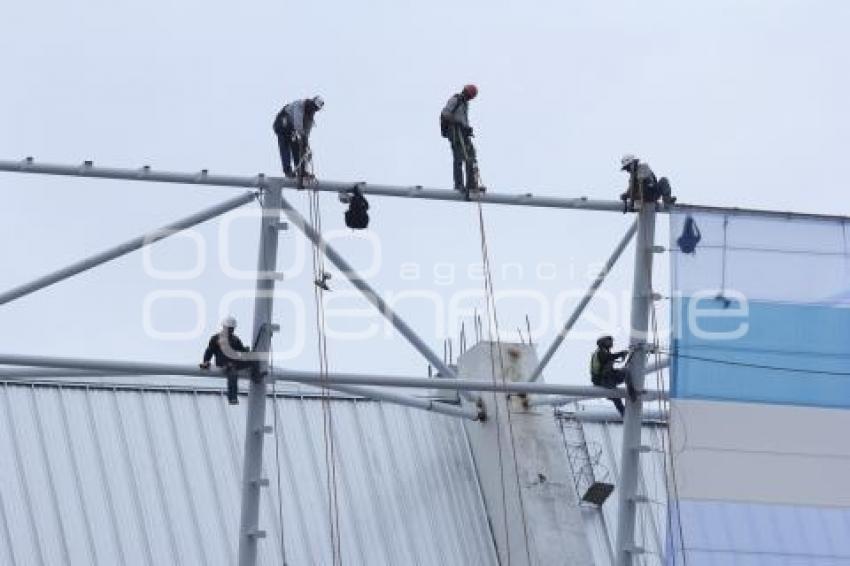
(288, 172)
(232, 388)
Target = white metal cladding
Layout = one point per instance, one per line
(114, 476)
(604, 440)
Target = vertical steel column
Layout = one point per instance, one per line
(641, 304)
(255, 420)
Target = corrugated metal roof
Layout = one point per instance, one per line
(99, 475)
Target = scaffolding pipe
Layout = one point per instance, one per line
(585, 300)
(125, 248)
(371, 295)
(326, 380)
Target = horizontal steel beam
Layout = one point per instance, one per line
(320, 380)
(470, 413)
(564, 399)
(23, 374)
(605, 415)
(261, 181)
(125, 248)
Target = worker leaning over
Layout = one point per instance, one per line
(228, 351)
(292, 126)
(604, 374)
(643, 185)
(454, 125)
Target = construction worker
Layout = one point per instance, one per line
(454, 125)
(228, 351)
(604, 374)
(643, 185)
(292, 127)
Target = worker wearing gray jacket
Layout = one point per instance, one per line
(454, 125)
(292, 125)
(643, 185)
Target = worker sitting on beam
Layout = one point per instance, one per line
(643, 185)
(229, 354)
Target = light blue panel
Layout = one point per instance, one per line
(708, 533)
(814, 340)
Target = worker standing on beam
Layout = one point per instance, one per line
(229, 354)
(292, 127)
(454, 125)
(604, 374)
(643, 185)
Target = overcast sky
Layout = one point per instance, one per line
(739, 103)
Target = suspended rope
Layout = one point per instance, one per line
(327, 414)
(493, 325)
(277, 462)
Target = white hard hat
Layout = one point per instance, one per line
(627, 160)
(229, 322)
(318, 101)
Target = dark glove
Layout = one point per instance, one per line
(468, 131)
(204, 365)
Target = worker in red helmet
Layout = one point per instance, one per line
(454, 125)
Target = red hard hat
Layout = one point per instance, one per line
(471, 91)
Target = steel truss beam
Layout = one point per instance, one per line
(125, 248)
(361, 285)
(585, 300)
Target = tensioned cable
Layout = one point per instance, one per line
(493, 321)
(277, 461)
(755, 366)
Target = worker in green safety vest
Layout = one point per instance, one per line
(602, 370)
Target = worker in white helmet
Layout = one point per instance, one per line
(228, 351)
(643, 185)
(292, 126)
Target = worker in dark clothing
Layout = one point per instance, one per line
(292, 125)
(454, 125)
(228, 351)
(604, 374)
(643, 185)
